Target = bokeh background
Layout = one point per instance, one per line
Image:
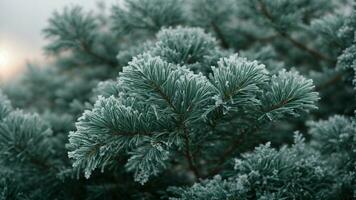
(21, 24)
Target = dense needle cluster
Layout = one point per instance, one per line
(187, 100)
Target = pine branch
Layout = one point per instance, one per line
(90, 52)
(37, 162)
(301, 46)
(158, 89)
(278, 105)
(333, 80)
(220, 35)
(228, 152)
(188, 154)
(187, 151)
(290, 94)
(296, 43)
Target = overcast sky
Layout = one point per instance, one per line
(21, 23)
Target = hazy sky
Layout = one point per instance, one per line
(21, 23)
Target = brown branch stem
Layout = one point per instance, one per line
(225, 155)
(311, 51)
(330, 82)
(188, 154)
(295, 42)
(229, 151)
(98, 57)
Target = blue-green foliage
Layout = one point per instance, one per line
(266, 173)
(28, 154)
(191, 47)
(335, 135)
(173, 99)
(166, 103)
(289, 95)
(147, 15)
(335, 138)
(79, 32)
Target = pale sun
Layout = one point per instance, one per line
(4, 58)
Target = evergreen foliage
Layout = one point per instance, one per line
(267, 173)
(188, 99)
(163, 104)
(146, 15)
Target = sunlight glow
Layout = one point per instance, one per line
(4, 58)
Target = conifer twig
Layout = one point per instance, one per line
(225, 155)
(231, 149)
(295, 42)
(331, 81)
(100, 58)
(188, 154)
(220, 35)
(187, 150)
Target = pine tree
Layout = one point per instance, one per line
(166, 99)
